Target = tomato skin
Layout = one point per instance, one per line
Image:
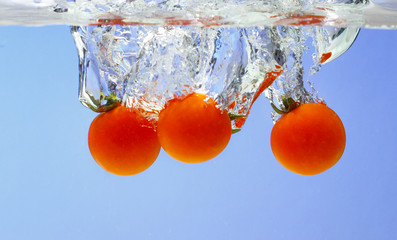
(192, 129)
(122, 142)
(308, 140)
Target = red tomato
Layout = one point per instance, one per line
(122, 142)
(193, 129)
(308, 140)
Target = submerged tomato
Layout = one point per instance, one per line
(308, 140)
(122, 142)
(193, 129)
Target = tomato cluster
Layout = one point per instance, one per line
(191, 129)
(307, 139)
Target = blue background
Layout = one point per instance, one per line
(51, 188)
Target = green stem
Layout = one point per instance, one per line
(233, 116)
(289, 105)
(112, 101)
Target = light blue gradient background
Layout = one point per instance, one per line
(51, 188)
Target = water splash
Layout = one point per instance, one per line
(145, 66)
